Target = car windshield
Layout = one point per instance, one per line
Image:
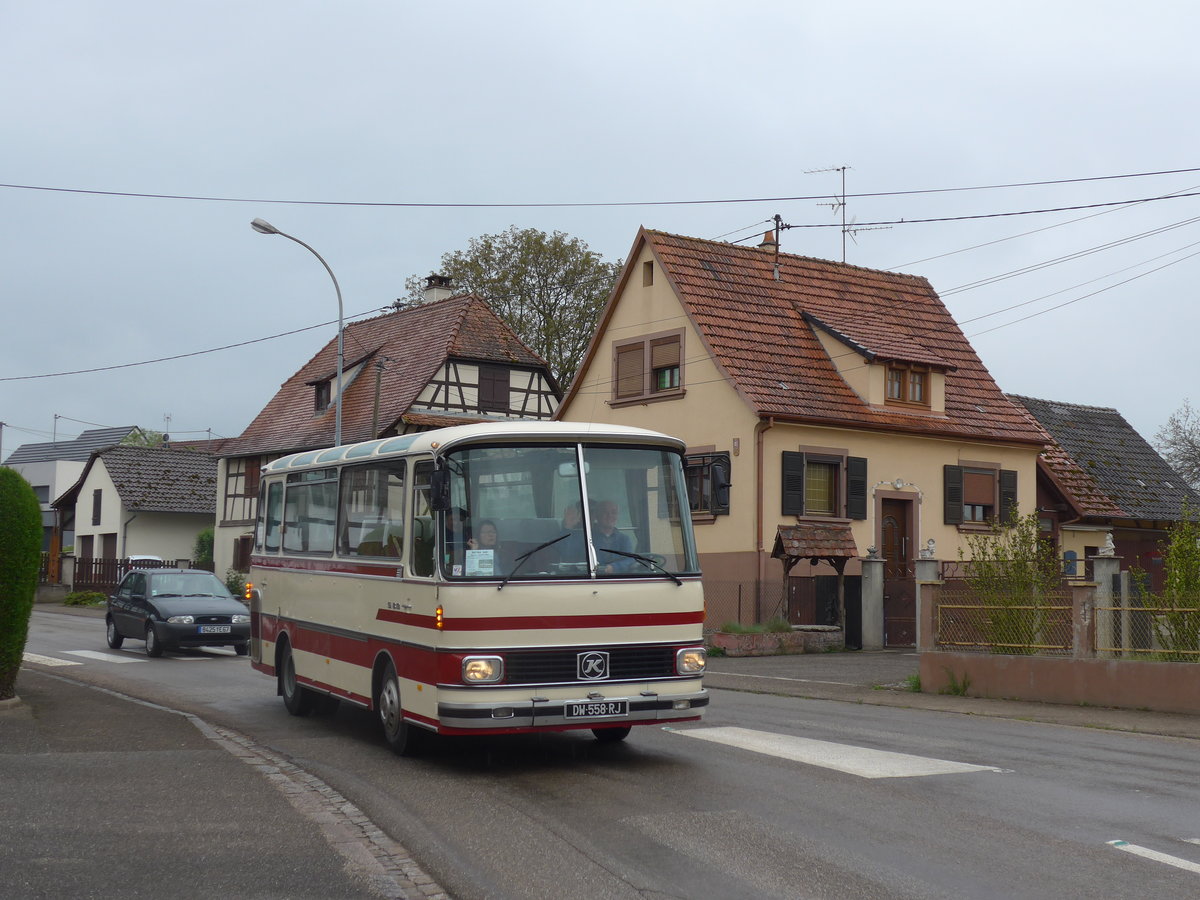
(556, 511)
(196, 583)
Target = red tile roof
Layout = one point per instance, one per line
(815, 540)
(756, 330)
(413, 343)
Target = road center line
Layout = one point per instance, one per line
(1147, 853)
(860, 761)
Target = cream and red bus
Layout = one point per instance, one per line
(482, 579)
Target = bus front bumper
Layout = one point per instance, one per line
(583, 712)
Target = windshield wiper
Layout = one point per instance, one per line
(160, 596)
(520, 560)
(647, 560)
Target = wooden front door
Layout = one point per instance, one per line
(899, 585)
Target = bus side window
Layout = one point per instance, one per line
(371, 510)
(421, 559)
(273, 517)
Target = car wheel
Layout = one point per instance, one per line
(115, 638)
(241, 649)
(298, 699)
(611, 735)
(404, 739)
(154, 646)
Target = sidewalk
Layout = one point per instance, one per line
(880, 678)
(108, 796)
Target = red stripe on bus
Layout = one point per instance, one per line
(512, 623)
(384, 569)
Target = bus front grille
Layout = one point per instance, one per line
(558, 666)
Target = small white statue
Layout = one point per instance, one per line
(930, 550)
(1109, 548)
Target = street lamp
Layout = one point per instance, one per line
(264, 227)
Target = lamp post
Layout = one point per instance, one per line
(264, 227)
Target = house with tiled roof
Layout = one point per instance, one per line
(832, 413)
(449, 360)
(1099, 477)
(132, 501)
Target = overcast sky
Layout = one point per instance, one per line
(305, 113)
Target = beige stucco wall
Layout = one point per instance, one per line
(110, 506)
(169, 535)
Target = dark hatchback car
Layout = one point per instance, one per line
(174, 609)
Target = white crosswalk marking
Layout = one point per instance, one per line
(860, 761)
(106, 657)
(40, 660)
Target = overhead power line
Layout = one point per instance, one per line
(557, 205)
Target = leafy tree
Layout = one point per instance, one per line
(1178, 625)
(143, 437)
(20, 558)
(1179, 443)
(549, 288)
(1013, 571)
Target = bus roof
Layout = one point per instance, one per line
(439, 440)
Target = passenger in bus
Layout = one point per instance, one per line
(571, 549)
(488, 538)
(458, 530)
(606, 536)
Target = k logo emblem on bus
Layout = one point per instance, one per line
(592, 665)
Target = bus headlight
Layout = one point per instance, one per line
(691, 660)
(482, 669)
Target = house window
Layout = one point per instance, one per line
(253, 466)
(42, 492)
(818, 484)
(647, 273)
(322, 394)
(908, 385)
(707, 476)
(648, 368)
(979, 495)
(96, 506)
(493, 389)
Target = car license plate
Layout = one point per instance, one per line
(595, 709)
(216, 629)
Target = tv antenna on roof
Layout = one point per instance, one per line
(838, 204)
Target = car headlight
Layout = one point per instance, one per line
(482, 669)
(181, 620)
(691, 660)
(239, 619)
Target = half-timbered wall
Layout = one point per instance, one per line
(456, 387)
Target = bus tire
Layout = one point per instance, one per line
(297, 699)
(404, 739)
(611, 735)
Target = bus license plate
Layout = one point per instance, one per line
(216, 629)
(596, 709)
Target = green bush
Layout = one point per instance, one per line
(775, 626)
(1177, 628)
(236, 582)
(84, 598)
(20, 557)
(202, 551)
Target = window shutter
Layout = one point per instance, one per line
(1008, 496)
(630, 381)
(952, 480)
(856, 487)
(793, 483)
(664, 353)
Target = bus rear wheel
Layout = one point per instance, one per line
(297, 699)
(404, 739)
(611, 735)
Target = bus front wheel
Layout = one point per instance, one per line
(404, 739)
(297, 699)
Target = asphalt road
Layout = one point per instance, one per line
(770, 796)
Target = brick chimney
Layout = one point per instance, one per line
(769, 242)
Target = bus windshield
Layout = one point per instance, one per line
(554, 511)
